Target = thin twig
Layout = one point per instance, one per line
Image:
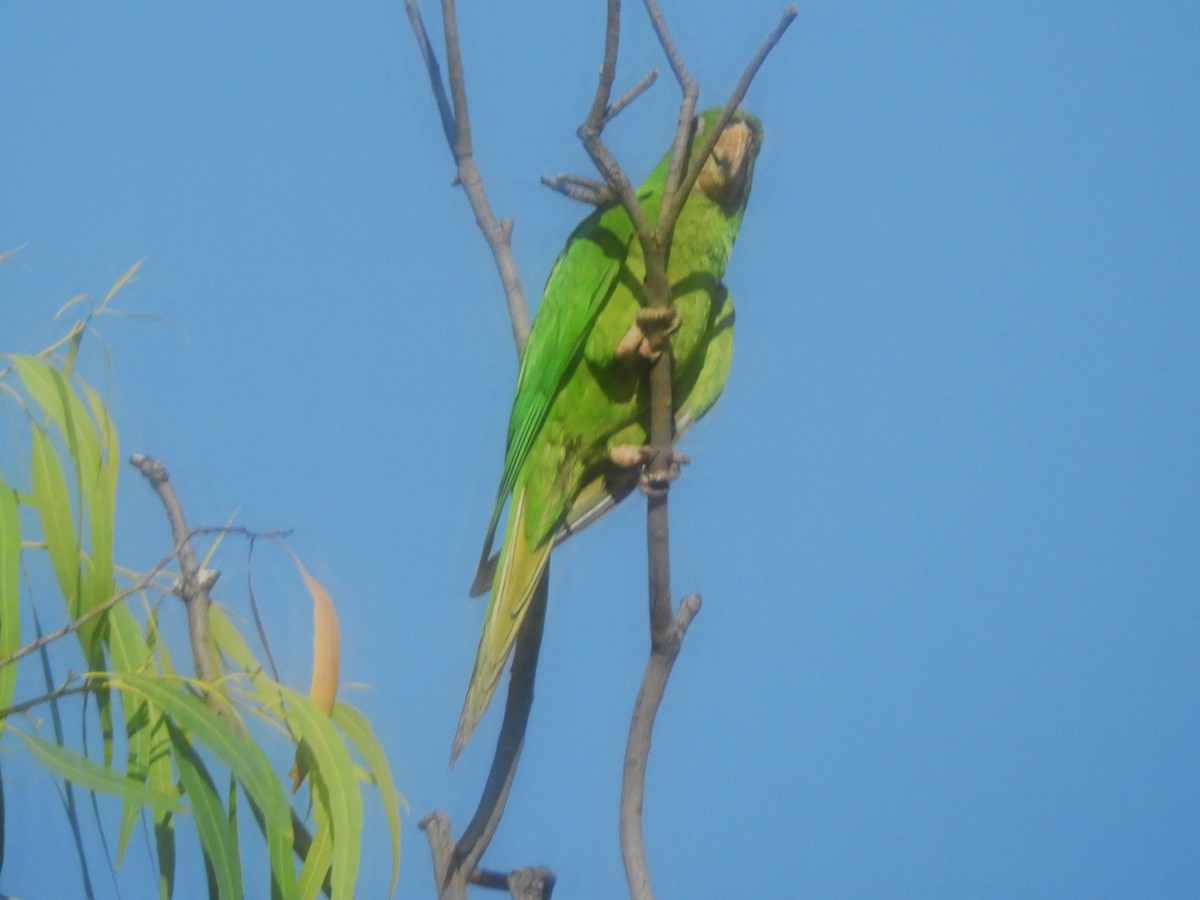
(431, 66)
(683, 126)
(536, 883)
(67, 689)
(630, 95)
(608, 66)
(95, 612)
(710, 139)
(577, 187)
(589, 132)
(655, 241)
(258, 622)
(143, 583)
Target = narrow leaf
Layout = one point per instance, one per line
(94, 777)
(318, 858)
(326, 644)
(74, 301)
(335, 783)
(326, 650)
(98, 495)
(161, 777)
(354, 725)
(54, 510)
(235, 649)
(10, 607)
(243, 758)
(129, 653)
(217, 833)
(122, 281)
(38, 377)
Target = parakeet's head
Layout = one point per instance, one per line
(727, 173)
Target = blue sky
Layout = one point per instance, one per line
(945, 518)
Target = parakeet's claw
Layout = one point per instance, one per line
(628, 456)
(654, 321)
(652, 482)
(647, 336)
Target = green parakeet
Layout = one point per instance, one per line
(582, 403)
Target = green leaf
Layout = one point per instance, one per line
(39, 379)
(356, 727)
(94, 453)
(54, 510)
(86, 588)
(74, 339)
(217, 832)
(235, 649)
(243, 758)
(335, 785)
(130, 653)
(10, 607)
(53, 506)
(161, 777)
(318, 859)
(92, 776)
(108, 440)
(122, 281)
(98, 496)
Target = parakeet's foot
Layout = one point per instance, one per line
(647, 336)
(628, 456)
(655, 482)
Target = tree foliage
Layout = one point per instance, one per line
(198, 760)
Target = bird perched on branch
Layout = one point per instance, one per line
(579, 422)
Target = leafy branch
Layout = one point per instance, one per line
(182, 735)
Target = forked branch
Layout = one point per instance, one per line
(667, 629)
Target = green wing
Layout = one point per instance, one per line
(581, 281)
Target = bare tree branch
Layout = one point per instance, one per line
(431, 66)
(454, 863)
(598, 116)
(194, 582)
(683, 126)
(630, 95)
(670, 212)
(67, 689)
(654, 684)
(667, 630)
(577, 187)
(512, 732)
(456, 124)
(454, 867)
